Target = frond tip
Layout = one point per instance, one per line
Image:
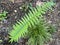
(28, 20)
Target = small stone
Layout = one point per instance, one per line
(15, 10)
(20, 7)
(5, 21)
(49, 21)
(39, 3)
(15, 17)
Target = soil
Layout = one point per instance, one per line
(16, 10)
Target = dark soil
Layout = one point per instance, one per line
(15, 13)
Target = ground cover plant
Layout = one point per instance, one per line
(30, 20)
(41, 33)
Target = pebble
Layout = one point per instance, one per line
(15, 11)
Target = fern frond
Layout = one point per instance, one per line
(28, 20)
(40, 34)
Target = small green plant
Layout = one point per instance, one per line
(40, 33)
(3, 15)
(29, 20)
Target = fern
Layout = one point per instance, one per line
(28, 20)
(40, 33)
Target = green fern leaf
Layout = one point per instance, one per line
(28, 20)
(39, 34)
